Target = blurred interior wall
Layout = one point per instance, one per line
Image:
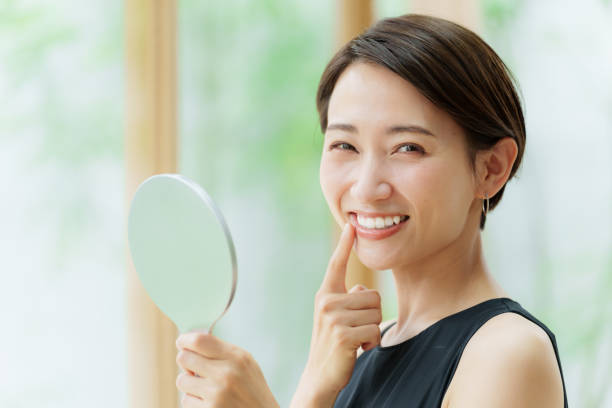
(150, 148)
(464, 12)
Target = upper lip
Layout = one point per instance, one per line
(375, 214)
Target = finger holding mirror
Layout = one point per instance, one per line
(228, 376)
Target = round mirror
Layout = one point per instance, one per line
(182, 250)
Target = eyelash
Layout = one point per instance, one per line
(420, 149)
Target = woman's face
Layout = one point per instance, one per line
(376, 160)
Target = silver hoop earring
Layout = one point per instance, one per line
(485, 210)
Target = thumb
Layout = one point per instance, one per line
(357, 288)
(335, 276)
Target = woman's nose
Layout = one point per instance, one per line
(370, 184)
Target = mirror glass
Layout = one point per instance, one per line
(182, 250)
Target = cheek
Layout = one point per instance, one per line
(331, 177)
(333, 173)
(436, 188)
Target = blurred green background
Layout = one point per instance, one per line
(248, 72)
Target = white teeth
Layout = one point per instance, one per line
(380, 222)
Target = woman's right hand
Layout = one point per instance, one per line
(343, 321)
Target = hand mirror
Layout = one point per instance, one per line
(182, 251)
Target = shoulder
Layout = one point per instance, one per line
(382, 327)
(508, 362)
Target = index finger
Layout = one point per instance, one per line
(335, 276)
(204, 343)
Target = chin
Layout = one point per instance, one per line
(374, 261)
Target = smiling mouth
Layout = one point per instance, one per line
(378, 223)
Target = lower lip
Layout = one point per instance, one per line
(375, 233)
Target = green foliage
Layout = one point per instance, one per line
(253, 75)
(498, 13)
(33, 36)
(63, 94)
(392, 8)
(56, 60)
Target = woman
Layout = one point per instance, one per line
(423, 129)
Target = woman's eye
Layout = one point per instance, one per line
(416, 148)
(342, 146)
(346, 146)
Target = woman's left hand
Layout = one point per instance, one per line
(227, 376)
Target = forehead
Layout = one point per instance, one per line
(368, 95)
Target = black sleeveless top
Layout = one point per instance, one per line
(417, 372)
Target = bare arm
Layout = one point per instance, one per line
(511, 363)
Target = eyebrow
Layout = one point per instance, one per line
(390, 131)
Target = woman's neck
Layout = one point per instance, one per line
(442, 284)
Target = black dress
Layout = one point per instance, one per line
(417, 372)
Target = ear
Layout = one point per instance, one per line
(493, 166)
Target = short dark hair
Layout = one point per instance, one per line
(452, 67)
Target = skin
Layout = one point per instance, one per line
(436, 260)
(219, 374)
